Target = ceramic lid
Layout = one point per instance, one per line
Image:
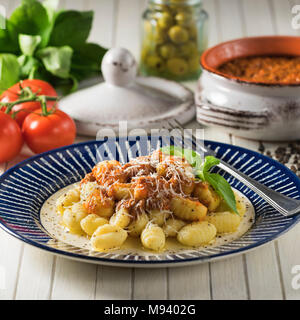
(145, 102)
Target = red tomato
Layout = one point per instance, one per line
(43, 133)
(11, 140)
(37, 86)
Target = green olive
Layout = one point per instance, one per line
(187, 50)
(192, 30)
(163, 7)
(155, 62)
(165, 21)
(177, 66)
(194, 64)
(167, 51)
(178, 34)
(159, 36)
(183, 19)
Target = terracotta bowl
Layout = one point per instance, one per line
(254, 110)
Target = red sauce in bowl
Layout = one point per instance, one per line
(267, 69)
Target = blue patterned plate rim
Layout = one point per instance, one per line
(121, 262)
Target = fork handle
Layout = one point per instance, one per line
(285, 205)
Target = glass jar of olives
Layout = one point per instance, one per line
(174, 35)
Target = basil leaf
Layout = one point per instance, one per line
(86, 60)
(8, 43)
(9, 71)
(57, 60)
(31, 18)
(51, 6)
(223, 188)
(71, 28)
(219, 183)
(28, 66)
(28, 43)
(209, 162)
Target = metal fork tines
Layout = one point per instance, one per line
(283, 204)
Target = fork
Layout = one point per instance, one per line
(283, 204)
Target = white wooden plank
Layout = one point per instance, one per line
(10, 258)
(128, 25)
(32, 261)
(9, 5)
(150, 284)
(103, 24)
(113, 283)
(210, 133)
(231, 28)
(283, 17)
(10, 255)
(258, 18)
(35, 275)
(289, 258)
(189, 283)
(214, 36)
(73, 280)
(263, 274)
(228, 281)
(74, 4)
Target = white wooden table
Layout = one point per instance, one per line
(261, 274)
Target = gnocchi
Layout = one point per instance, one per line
(121, 218)
(73, 216)
(197, 234)
(108, 237)
(172, 226)
(240, 206)
(159, 217)
(187, 209)
(121, 191)
(225, 221)
(153, 237)
(91, 222)
(151, 198)
(137, 226)
(67, 200)
(206, 195)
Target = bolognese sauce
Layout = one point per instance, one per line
(264, 69)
